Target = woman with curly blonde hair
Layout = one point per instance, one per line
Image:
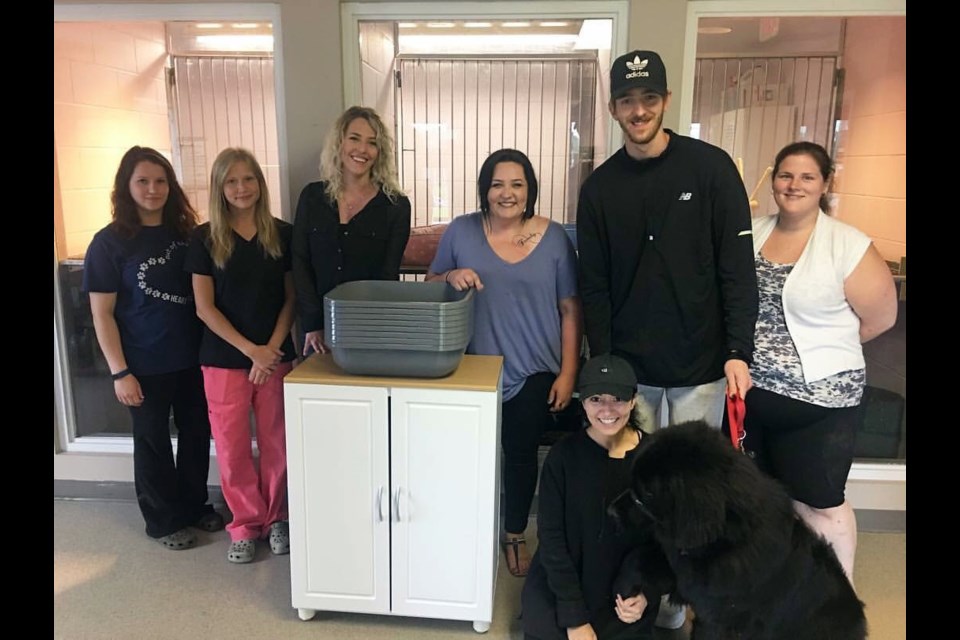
(240, 262)
(353, 224)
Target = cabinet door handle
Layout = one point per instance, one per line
(380, 503)
(396, 503)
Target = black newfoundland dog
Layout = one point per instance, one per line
(724, 539)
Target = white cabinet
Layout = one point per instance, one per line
(393, 491)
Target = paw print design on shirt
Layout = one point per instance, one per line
(147, 264)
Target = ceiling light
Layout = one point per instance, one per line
(235, 43)
(407, 25)
(713, 31)
(244, 25)
(553, 24)
(515, 24)
(477, 25)
(209, 25)
(441, 25)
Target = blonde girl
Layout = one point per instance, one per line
(242, 282)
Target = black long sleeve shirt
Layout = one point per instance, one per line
(667, 275)
(580, 551)
(326, 253)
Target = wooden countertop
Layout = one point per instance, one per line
(475, 373)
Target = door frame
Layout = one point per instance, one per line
(351, 13)
(697, 9)
(95, 458)
(871, 485)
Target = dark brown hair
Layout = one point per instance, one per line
(178, 213)
(486, 179)
(819, 155)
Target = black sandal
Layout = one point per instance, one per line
(513, 544)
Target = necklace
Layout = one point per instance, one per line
(351, 205)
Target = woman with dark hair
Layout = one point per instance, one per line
(824, 290)
(351, 225)
(240, 263)
(572, 590)
(146, 324)
(523, 267)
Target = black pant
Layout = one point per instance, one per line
(171, 495)
(524, 418)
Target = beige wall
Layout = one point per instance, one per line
(872, 158)
(121, 102)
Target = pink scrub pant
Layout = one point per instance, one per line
(257, 497)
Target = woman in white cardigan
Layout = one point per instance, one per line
(824, 290)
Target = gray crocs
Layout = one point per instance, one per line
(280, 537)
(241, 551)
(179, 540)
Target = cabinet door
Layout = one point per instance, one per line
(444, 447)
(337, 474)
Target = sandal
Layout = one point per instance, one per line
(513, 544)
(241, 551)
(280, 537)
(211, 521)
(179, 540)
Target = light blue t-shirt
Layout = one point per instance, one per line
(517, 313)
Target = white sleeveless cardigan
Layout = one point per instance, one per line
(824, 327)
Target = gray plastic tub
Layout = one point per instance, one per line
(389, 328)
(403, 364)
(433, 298)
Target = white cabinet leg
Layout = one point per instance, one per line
(480, 626)
(307, 614)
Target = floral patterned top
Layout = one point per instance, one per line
(776, 365)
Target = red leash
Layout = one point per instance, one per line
(736, 410)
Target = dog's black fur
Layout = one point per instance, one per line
(724, 539)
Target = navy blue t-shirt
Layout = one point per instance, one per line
(248, 291)
(159, 328)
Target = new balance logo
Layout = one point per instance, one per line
(686, 195)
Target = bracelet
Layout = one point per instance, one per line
(446, 278)
(120, 374)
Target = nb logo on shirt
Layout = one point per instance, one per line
(686, 195)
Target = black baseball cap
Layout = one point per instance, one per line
(607, 374)
(638, 69)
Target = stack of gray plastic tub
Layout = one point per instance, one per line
(390, 328)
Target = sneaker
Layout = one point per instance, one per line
(241, 551)
(280, 537)
(179, 540)
(670, 616)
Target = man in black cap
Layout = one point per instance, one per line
(667, 275)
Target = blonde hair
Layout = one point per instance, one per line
(221, 233)
(384, 170)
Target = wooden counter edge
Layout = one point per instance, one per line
(475, 373)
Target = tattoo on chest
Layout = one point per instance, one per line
(522, 240)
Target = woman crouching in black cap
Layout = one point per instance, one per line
(569, 593)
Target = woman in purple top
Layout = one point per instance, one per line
(526, 309)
